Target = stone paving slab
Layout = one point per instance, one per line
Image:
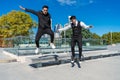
(98, 69)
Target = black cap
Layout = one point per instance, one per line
(45, 6)
(72, 17)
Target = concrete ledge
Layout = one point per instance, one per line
(60, 58)
(18, 59)
(51, 63)
(7, 60)
(66, 59)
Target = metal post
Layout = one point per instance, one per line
(51, 24)
(65, 35)
(111, 37)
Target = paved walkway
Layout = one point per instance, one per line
(98, 69)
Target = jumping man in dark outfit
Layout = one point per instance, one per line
(44, 25)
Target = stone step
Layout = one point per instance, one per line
(55, 59)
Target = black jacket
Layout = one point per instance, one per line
(44, 20)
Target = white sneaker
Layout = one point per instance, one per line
(72, 61)
(37, 50)
(52, 45)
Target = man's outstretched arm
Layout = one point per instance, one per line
(28, 10)
(66, 27)
(85, 26)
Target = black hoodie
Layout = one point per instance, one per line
(44, 20)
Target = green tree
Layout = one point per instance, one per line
(16, 23)
(116, 37)
(86, 33)
(67, 33)
(107, 37)
(113, 37)
(95, 36)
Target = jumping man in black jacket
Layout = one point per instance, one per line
(44, 25)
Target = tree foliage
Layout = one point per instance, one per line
(95, 36)
(16, 23)
(113, 37)
(86, 33)
(67, 33)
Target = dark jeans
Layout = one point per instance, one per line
(77, 40)
(41, 32)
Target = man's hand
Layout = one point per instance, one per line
(90, 26)
(21, 7)
(58, 31)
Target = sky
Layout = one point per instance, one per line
(104, 15)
